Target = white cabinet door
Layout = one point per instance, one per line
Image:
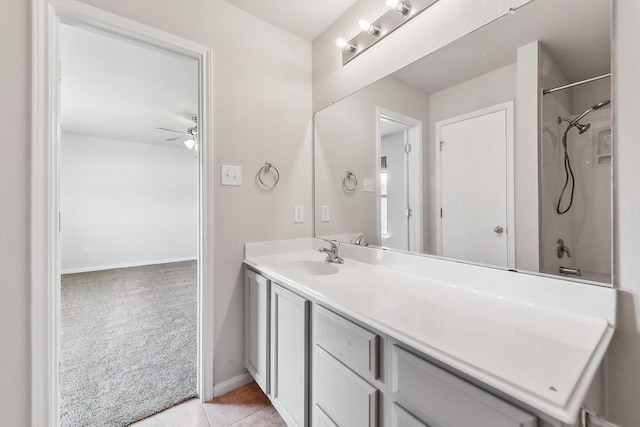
(256, 328)
(289, 355)
(347, 399)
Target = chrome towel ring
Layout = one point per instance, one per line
(350, 181)
(265, 170)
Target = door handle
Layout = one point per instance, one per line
(498, 229)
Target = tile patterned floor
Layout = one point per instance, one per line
(246, 406)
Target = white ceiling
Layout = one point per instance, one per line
(575, 33)
(119, 89)
(304, 18)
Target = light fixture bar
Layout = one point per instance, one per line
(400, 12)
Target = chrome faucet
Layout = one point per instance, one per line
(566, 271)
(360, 240)
(332, 253)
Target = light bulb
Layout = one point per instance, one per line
(400, 6)
(346, 46)
(190, 143)
(369, 27)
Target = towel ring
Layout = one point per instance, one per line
(266, 169)
(350, 181)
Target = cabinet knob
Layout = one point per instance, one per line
(498, 229)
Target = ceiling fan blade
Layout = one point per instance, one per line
(178, 138)
(171, 130)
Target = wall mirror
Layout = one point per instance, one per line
(464, 155)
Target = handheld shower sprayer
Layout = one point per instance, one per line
(582, 128)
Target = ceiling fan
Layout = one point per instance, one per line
(190, 137)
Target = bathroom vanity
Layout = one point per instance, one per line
(393, 339)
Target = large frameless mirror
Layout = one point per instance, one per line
(493, 150)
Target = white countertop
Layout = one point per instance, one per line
(543, 357)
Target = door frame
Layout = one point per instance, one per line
(45, 169)
(508, 107)
(414, 137)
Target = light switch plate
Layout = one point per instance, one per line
(298, 214)
(231, 175)
(368, 185)
(324, 213)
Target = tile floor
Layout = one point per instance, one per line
(246, 406)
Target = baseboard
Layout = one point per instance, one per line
(231, 384)
(126, 265)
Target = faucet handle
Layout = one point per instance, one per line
(334, 247)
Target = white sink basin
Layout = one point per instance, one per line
(311, 268)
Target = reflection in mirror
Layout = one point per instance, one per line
(461, 155)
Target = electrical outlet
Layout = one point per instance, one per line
(368, 185)
(87, 251)
(231, 175)
(298, 215)
(324, 213)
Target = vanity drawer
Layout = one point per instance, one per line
(355, 346)
(402, 418)
(321, 419)
(345, 399)
(440, 398)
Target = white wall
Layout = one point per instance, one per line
(623, 361)
(346, 140)
(131, 203)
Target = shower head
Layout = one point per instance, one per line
(582, 128)
(601, 104)
(595, 107)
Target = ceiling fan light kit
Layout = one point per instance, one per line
(190, 137)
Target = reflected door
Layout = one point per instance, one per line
(473, 188)
(394, 189)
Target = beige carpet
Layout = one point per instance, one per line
(128, 343)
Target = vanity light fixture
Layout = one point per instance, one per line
(345, 46)
(399, 12)
(402, 7)
(369, 27)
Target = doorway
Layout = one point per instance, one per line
(49, 16)
(475, 186)
(400, 181)
(129, 228)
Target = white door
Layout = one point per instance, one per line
(400, 178)
(257, 328)
(474, 175)
(289, 355)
